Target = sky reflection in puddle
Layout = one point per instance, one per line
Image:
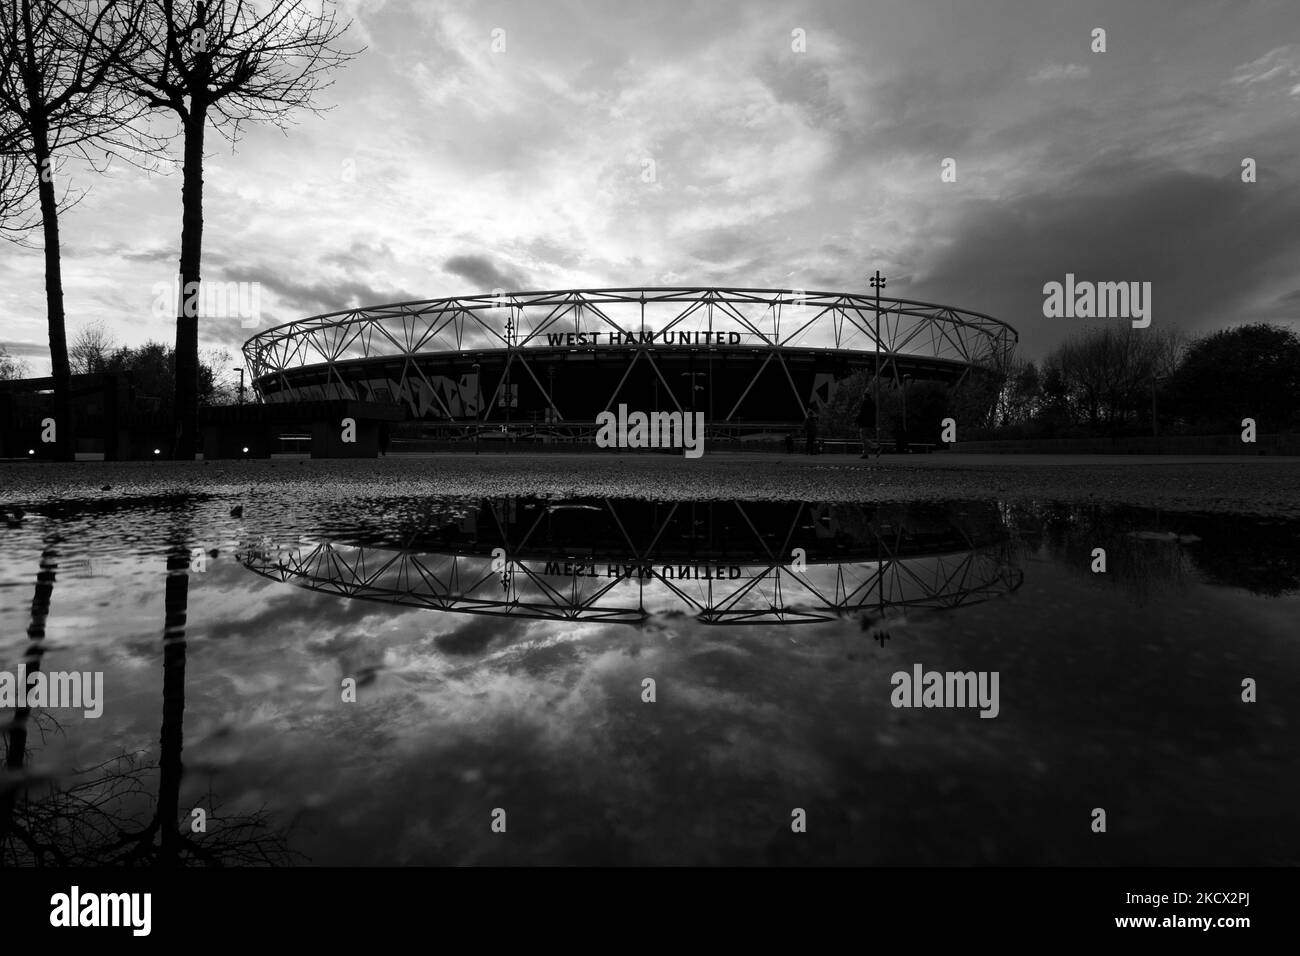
(491, 674)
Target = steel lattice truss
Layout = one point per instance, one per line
(518, 582)
(771, 320)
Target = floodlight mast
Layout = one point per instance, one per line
(877, 283)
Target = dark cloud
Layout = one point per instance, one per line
(230, 335)
(298, 300)
(336, 622)
(165, 255)
(1205, 243)
(306, 298)
(155, 254)
(483, 274)
(805, 84)
(470, 635)
(921, 110)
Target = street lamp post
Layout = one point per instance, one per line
(510, 329)
(1155, 421)
(241, 385)
(694, 387)
(877, 283)
(478, 404)
(1156, 382)
(906, 441)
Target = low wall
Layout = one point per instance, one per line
(1170, 445)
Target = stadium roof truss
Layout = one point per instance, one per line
(519, 323)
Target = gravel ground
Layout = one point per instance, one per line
(1219, 484)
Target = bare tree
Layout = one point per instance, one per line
(10, 366)
(91, 348)
(1107, 374)
(217, 364)
(228, 61)
(54, 59)
(1021, 392)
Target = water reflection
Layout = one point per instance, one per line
(619, 560)
(1149, 550)
(1119, 689)
(11, 829)
(101, 816)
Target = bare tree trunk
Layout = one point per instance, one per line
(187, 322)
(64, 432)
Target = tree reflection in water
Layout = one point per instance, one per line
(107, 815)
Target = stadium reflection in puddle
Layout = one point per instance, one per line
(368, 680)
(622, 560)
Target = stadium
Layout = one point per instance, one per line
(751, 360)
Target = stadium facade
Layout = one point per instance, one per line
(750, 358)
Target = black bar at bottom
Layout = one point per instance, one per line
(654, 906)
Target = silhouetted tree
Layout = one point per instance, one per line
(1020, 395)
(152, 368)
(228, 63)
(1252, 371)
(54, 61)
(1102, 378)
(91, 348)
(11, 367)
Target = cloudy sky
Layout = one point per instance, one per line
(687, 143)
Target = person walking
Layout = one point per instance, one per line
(810, 431)
(866, 421)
